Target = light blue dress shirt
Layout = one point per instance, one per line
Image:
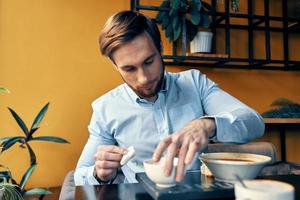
(122, 118)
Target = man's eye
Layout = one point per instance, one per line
(128, 69)
(148, 62)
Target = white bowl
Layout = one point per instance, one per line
(154, 171)
(264, 189)
(225, 166)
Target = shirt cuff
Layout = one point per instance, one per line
(90, 176)
(214, 136)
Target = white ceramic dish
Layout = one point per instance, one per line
(225, 166)
(264, 189)
(154, 171)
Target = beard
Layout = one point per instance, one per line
(144, 95)
(153, 93)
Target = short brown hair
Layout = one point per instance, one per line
(123, 27)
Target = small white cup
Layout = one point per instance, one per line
(154, 170)
(264, 190)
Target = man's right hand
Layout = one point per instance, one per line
(107, 161)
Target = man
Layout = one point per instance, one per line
(159, 113)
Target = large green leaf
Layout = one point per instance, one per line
(31, 154)
(51, 139)
(26, 176)
(173, 12)
(169, 32)
(205, 21)
(166, 21)
(37, 191)
(175, 22)
(161, 14)
(176, 4)
(3, 139)
(19, 121)
(10, 142)
(195, 11)
(39, 117)
(177, 32)
(3, 90)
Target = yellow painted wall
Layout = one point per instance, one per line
(49, 52)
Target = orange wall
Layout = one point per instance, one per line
(49, 52)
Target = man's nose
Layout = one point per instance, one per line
(143, 77)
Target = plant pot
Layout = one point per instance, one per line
(201, 42)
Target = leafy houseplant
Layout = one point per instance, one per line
(13, 189)
(283, 108)
(173, 13)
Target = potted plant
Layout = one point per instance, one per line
(9, 187)
(173, 13)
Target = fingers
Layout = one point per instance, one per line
(107, 164)
(162, 146)
(107, 161)
(172, 152)
(181, 160)
(109, 153)
(197, 144)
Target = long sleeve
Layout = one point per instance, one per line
(235, 121)
(85, 166)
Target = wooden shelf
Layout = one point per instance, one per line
(208, 55)
(282, 120)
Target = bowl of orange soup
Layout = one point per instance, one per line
(227, 166)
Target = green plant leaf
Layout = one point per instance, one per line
(19, 121)
(175, 22)
(50, 139)
(235, 6)
(159, 17)
(195, 11)
(177, 32)
(282, 102)
(169, 32)
(3, 90)
(173, 12)
(3, 139)
(176, 4)
(5, 177)
(39, 117)
(183, 4)
(165, 21)
(10, 192)
(205, 21)
(37, 191)
(26, 176)
(195, 18)
(31, 154)
(10, 142)
(161, 14)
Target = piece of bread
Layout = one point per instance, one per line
(205, 171)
